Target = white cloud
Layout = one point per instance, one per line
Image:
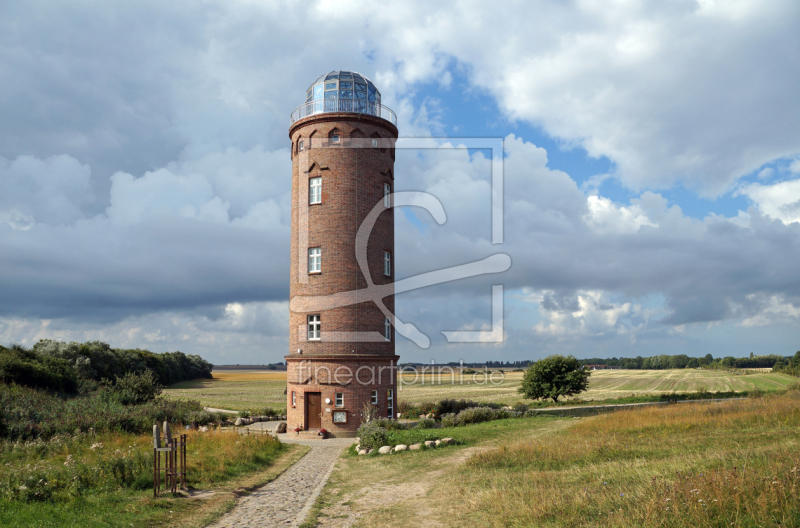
(606, 217)
(779, 200)
(775, 310)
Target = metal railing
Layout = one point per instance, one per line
(358, 106)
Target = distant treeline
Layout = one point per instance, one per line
(684, 361)
(68, 367)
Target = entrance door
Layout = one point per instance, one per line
(313, 410)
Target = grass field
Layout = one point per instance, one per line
(238, 390)
(86, 481)
(732, 464)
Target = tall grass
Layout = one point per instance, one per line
(29, 413)
(730, 464)
(70, 466)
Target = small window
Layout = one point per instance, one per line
(315, 190)
(335, 138)
(374, 143)
(313, 327)
(340, 399)
(330, 86)
(387, 195)
(300, 145)
(294, 399)
(387, 263)
(387, 329)
(390, 403)
(345, 85)
(331, 94)
(374, 397)
(315, 260)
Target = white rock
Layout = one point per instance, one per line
(363, 451)
(414, 447)
(448, 441)
(204, 429)
(438, 443)
(430, 443)
(239, 421)
(385, 450)
(400, 447)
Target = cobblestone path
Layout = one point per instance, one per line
(285, 501)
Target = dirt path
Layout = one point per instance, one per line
(396, 492)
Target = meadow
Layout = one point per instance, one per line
(240, 390)
(732, 463)
(97, 480)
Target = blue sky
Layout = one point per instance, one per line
(651, 168)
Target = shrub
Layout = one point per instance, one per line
(135, 389)
(520, 407)
(371, 435)
(30, 413)
(475, 415)
(23, 367)
(448, 420)
(389, 425)
(244, 414)
(426, 407)
(426, 423)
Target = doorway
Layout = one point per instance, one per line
(313, 410)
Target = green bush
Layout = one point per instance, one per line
(389, 425)
(31, 413)
(521, 407)
(449, 420)
(372, 436)
(23, 367)
(426, 423)
(135, 389)
(244, 414)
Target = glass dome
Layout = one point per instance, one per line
(343, 91)
(343, 85)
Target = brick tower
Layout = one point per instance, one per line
(341, 337)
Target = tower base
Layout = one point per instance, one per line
(330, 392)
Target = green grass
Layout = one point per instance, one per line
(701, 464)
(231, 393)
(106, 480)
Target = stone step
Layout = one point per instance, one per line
(311, 434)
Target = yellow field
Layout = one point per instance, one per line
(237, 390)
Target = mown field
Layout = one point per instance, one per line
(731, 464)
(238, 390)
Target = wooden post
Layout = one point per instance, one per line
(156, 460)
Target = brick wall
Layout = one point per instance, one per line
(353, 176)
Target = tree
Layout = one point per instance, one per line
(553, 377)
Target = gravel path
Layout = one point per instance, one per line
(286, 501)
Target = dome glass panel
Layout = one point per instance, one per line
(343, 91)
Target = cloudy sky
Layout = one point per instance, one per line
(651, 166)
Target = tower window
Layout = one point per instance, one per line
(313, 328)
(390, 403)
(387, 263)
(334, 138)
(315, 190)
(340, 399)
(315, 260)
(374, 399)
(294, 399)
(387, 329)
(300, 145)
(374, 143)
(387, 191)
